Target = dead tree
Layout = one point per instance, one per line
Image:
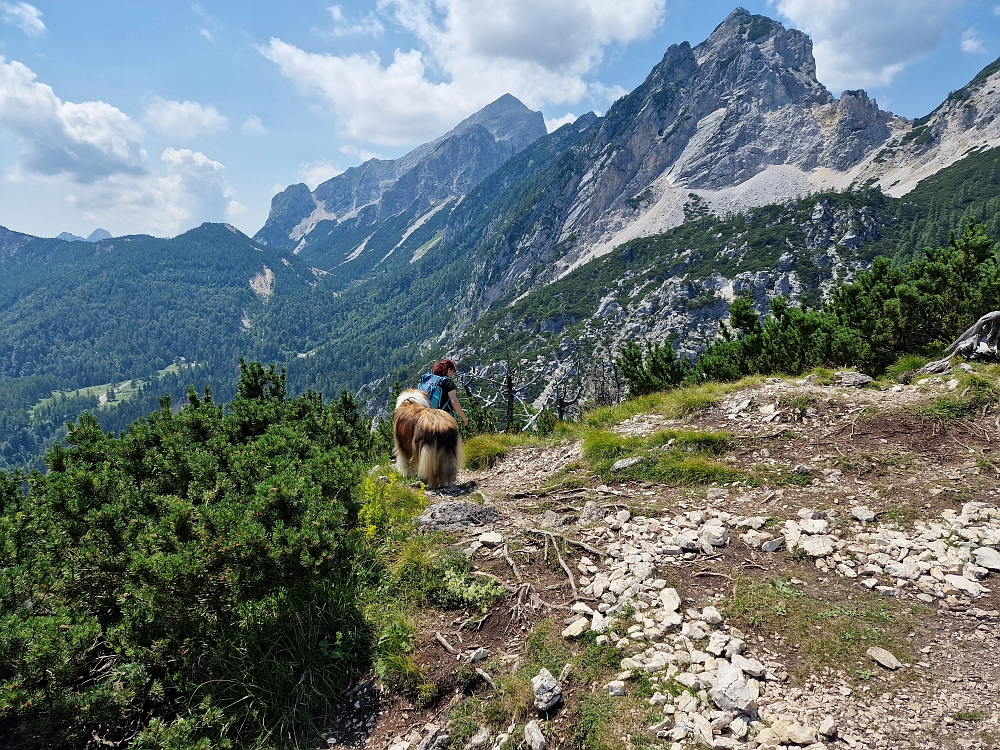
(978, 342)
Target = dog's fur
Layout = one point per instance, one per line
(427, 440)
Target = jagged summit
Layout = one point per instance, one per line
(447, 167)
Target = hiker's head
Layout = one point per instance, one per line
(445, 368)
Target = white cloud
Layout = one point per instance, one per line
(361, 153)
(367, 25)
(91, 154)
(555, 123)
(26, 17)
(538, 50)
(253, 126)
(84, 141)
(183, 120)
(316, 172)
(972, 42)
(860, 43)
(192, 191)
(207, 34)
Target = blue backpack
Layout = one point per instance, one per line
(431, 385)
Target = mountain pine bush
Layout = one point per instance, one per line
(192, 582)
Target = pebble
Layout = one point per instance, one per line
(533, 736)
(884, 658)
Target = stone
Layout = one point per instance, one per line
(906, 571)
(702, 729)
(533, 736)
(548, 692)
(457, 515)
(711, 616)
(828, 727)
(625, 463)
(480, 654)
(671, 599)
(576, 628)
(751, 667)
(801, 734)
(600, 623)
(732, 691)
(592, 513)
(814, 526)
(479, 740)
(715, 535)
(863, 514)
(491, 538)
(716, 493)
(642, 571)
(816, 546)
(852, 379)
(615, 688)
(884, 658)
(987, 557)
(773, 545)
(963, 584)
(600, 584)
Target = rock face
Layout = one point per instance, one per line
(446, 167)
(709, 118)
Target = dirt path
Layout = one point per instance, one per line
(910, 578)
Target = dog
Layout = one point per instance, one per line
(427, 440)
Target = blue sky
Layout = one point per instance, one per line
(156, 116)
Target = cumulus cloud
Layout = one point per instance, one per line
(553, 124)
(367, 25)
(84, 141)
(316, 172)
(859, 43)
(183, 120)
(26, 17)
(193, 190)
(972, 42)
(91, 154)
(253, 126)
(538, 50)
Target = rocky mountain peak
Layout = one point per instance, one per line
(448, 166)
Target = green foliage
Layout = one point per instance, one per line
(484, 451)
(887, 312)
(659, 370)
(683, 457)
(191, 582)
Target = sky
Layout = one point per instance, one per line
(153, 117)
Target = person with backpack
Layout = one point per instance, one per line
(441, 389)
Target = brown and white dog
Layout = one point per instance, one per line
(427, 440)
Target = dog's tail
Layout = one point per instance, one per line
(440, 448)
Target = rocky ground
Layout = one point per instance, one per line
(852, 605)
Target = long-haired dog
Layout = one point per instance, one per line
(427, 440)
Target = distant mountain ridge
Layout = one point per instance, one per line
(446, 167)
(96, 236)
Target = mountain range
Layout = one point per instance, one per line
(731, 169)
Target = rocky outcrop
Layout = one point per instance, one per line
(446, 167)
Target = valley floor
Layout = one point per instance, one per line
(881, 506)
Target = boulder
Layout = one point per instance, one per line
(816, 546)
(457, 515)
(987, 557)
(852, 379)
(732, 691)
(533, 736)
(548, 692)
(884, 658)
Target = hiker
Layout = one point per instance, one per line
(441, 389)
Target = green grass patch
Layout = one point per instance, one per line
(973, 397)
(826, 634)
(675, 404)
(904, 367)
(682, 457)
(971, 716)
